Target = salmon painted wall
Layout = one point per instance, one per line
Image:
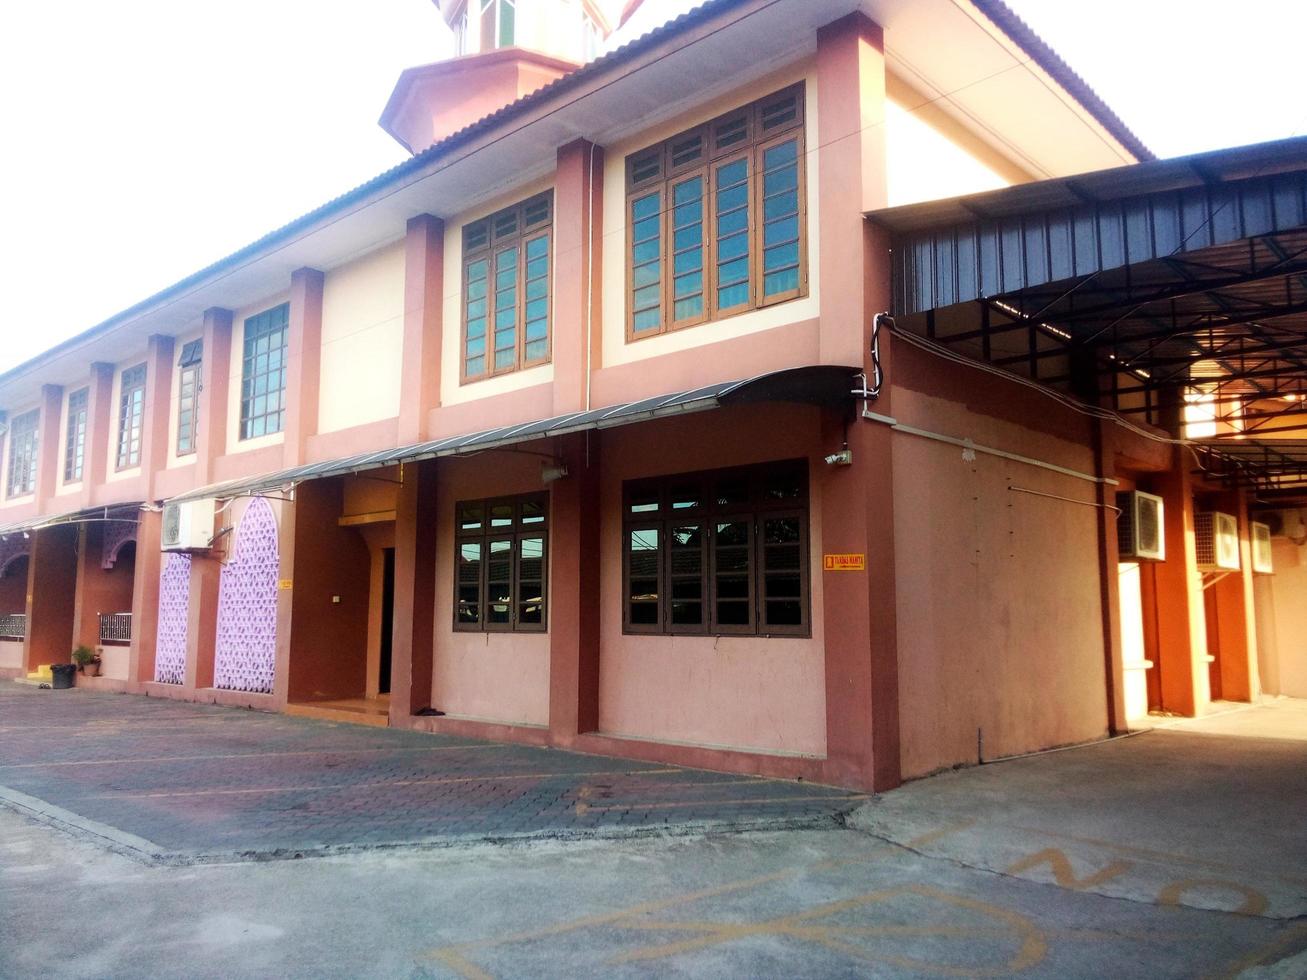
(362, 339)
(999, 610)
(501, 677)
(616, 350)
(758, 693)
(1281, 603)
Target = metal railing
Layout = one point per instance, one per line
(13, 626)
(115, 627)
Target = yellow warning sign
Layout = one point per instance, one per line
(845, 563)
(284, 584)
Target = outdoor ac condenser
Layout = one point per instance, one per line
(188, 525)
(1261, 541)
(1139, 527)
(1217, 538)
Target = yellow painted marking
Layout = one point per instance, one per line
(1063, 873)
(459, 964)
(1033, 947)
(435, 780)
(1254, 902)
(244, 755)
(1159, 855)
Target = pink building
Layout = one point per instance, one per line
(814, 388)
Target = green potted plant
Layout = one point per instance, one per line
(87, 660)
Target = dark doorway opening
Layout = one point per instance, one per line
(387, 618)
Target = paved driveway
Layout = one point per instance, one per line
(183, 782)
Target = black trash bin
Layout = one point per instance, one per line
(62, 676)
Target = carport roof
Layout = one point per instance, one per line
(825, 385)
(128, 512)
(1137, 284)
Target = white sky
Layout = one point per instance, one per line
(148, 138)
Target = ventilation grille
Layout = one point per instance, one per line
(1261, 540)
(1217, 541)
(1139, 527)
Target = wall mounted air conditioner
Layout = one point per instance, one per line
(1139, 527)
(1217, 539)
(188, 525)
(1261, 548)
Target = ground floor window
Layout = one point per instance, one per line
(500, 558)
(718, 553)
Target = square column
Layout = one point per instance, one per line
(1176, 588)
(211, 434)
(574, 592)
(99, 429)
(851, 180)
(50, 444)
(202, 621)
(578, 271)
(158, 402)
(1109, 577)
(413, 640)
(424, 298)
(1236, 629)
(145, 593)
(303, 362)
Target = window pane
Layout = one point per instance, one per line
(780, 261)
(469, 582)
(646, 261)
(533, 511)
(643, 560)
(470, 517)
(501, 515)
(499, 579)
(530, 577)
(644, 553)
(732, 234)
(687, 259)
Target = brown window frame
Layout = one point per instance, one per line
(75, 435)
(131, 417)
(666, 504)
(24, 447)
(481, 242)
(190, 381)
(483, 534)
(747, 134)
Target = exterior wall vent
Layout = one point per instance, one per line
(1261, 548)
(1139, 527)
(188, 525)
(1217, 539)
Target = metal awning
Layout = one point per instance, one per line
(829, 386)
(126, 513)
(1138, 287)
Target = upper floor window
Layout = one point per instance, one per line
(131, 416)
(717, 218)
(75, 435)
(22, 454)
(498, 23)
(263, 373)
(592, 37)
(499, 563)
(188, 396)
(718, 553)
(506, 308)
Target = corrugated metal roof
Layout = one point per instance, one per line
(129, 512)
(827, 385)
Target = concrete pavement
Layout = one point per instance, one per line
(1178, 853)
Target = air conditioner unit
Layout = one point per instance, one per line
(1139, 527)
(188, 525)
(1261, 548)
(1217, 539)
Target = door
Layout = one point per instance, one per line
(1134, 658)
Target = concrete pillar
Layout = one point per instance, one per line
(1109, 577)
(851, 160)
(578, 271)
(202, 621)
(424, 300)
(574, 592)
(413, 640)
(1236, 630)
(211, 433)
(50, 446)
(158, 402)
(303, 363)
(51, 583)
(860, 617)
(145, 591)
(1181, 631)
(100, 420)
